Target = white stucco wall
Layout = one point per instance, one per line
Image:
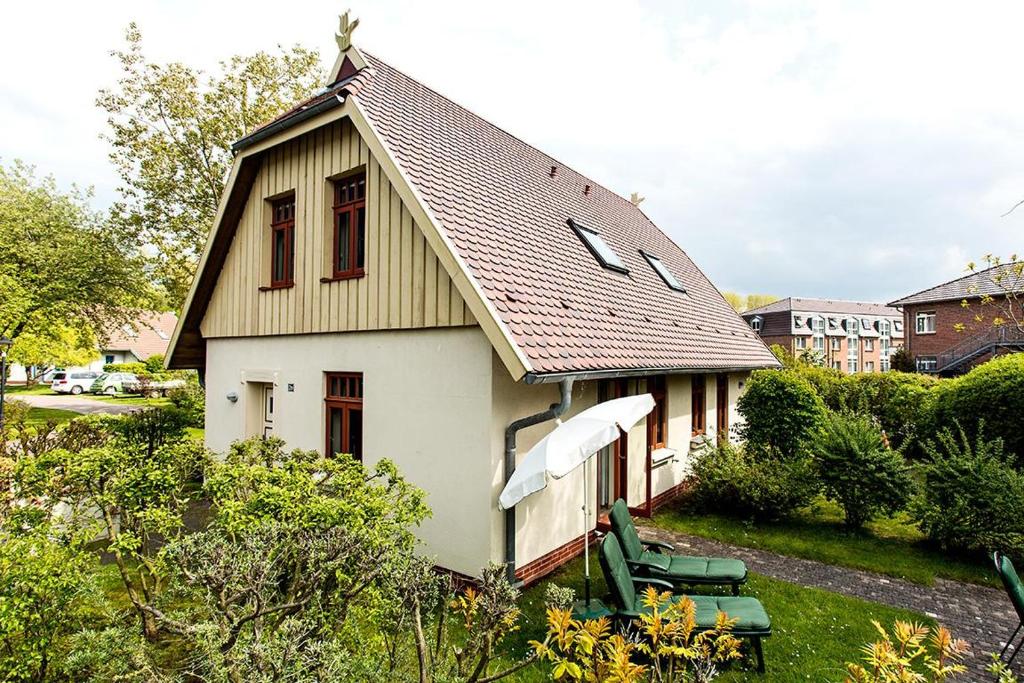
(426, 406)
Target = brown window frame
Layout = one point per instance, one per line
(657, 421)
(343, 393)
(282, 221)
(699, 404)
(349, 199)
(722, 406)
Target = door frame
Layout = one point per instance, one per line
(722, 407)
(608, 389)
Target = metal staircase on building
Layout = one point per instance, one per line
(1004, 338)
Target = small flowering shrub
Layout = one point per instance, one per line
(665, 645)
(912, 652)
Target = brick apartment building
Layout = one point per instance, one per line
(850, 336)
(944, 333)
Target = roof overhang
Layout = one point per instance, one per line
(582, 375)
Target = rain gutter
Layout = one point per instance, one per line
(551, 377)
(556, 410)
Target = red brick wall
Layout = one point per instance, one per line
(948, 314)
(545, 564)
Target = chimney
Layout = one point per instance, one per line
(554, 170)
(586, 190)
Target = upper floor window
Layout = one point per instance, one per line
(755, 324)
(282, 242)
(349, 227)
(605, 255)
(801, 343)
(869, 344)
(925, 323)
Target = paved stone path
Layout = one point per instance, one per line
(75, 404)
(980, 615)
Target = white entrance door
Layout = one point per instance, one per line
(268, 410)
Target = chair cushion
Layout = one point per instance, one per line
(749, 611)
(682, 566)
(624, 530)
(1012, 584)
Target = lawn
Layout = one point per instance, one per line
(123, 399)
(891, 546)
(26, 390)
(814, 631)
(42, 415)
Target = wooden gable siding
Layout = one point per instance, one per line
(404, 287)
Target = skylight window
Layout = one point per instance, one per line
(663, 271)
(604, 254)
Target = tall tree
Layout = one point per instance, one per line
(171, 127)
(61, 264)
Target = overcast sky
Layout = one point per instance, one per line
(852, 150)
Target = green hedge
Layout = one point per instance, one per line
(781, 411)
(992, 393)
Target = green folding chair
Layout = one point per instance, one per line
(1014, 589)
(752, 623)
(651, 558)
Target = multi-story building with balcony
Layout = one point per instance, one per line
(954, 326)
(850, 336)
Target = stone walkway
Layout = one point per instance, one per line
(982, 616)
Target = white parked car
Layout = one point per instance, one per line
(73, 381)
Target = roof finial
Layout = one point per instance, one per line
(635, 199)
(345, 29)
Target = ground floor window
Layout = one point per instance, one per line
(657, 421)
(699, 410)
(927, 363)
(722, 406)
(869, 366)
(344, 402)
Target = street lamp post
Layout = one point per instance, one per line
(5, 344)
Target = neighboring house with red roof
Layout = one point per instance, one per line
(849, 336)
(950, 330)
(392, 276)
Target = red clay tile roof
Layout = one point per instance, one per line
(970, 286)
(824, 306)
(146, 336)
(494, 196)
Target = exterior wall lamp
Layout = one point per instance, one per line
(233, 396)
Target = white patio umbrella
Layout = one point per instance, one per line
(569, 445)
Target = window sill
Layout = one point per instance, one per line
(662, 456)
(923, 333)
(270, 288)
(338, 278)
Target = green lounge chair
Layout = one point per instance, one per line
(1014, 589)
(645, 558)
(753, 623)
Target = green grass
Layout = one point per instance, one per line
(132, 400)
(815, 632)
(42, 415)
(25, 390)
(891, 546)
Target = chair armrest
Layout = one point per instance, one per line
(656, 583)
(640, 564)
(658, 545)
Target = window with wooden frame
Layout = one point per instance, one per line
(349, 260)
(657, 421)
(282, 242)
(698, 402)
(344, 414)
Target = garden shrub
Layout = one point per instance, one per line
(993, 392)
(736, 481)
(134, 368)
(912, 653)
(191, 401)
(898, 400)
(859, 470)
(781, 410)
(973, 495)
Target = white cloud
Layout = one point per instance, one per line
(810, 148)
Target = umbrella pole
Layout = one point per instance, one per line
(586, 543)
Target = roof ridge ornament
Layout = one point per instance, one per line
(345, 30)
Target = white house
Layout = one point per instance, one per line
(391, 275)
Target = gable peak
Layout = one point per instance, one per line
(349, 60)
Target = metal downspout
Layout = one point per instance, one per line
(556, 410)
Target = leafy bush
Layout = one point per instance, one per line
(993, 392)
(735, 481)
(155, 364)
(912, 653)
(973, 496)
(898, 400)
(781, 410)
(134, 368)
(859, 470)
(191, 401)
(900, 361)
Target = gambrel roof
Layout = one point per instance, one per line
(503, 209)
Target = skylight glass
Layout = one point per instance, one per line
(664, 272)
(604, 254)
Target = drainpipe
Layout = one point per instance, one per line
(556, 410)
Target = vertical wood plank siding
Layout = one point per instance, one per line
(405, 287)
